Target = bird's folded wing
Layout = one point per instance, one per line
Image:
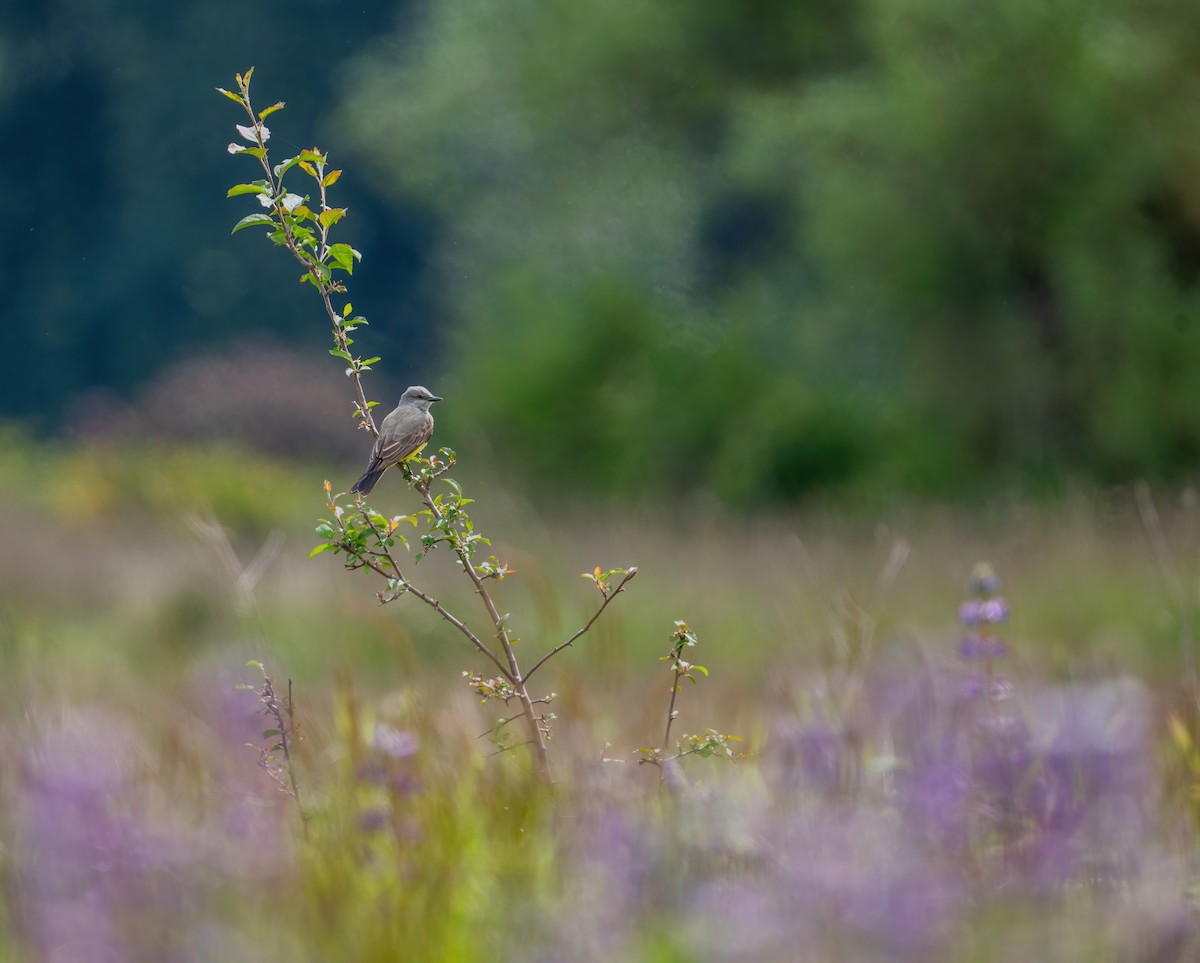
(401, 446)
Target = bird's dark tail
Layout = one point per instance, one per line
(364, 485)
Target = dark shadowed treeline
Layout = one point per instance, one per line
(762, 249)
(116, 257)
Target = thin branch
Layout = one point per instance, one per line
(590, 622)
(500, 724)
(429, 600)
(310, 263)
(440, 609)
(287, 755)
(671, 708)
(508, 748)
(533, 721)
(285, 728)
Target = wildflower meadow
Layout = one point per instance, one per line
(247, 714)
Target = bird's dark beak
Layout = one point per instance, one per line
(436, 398)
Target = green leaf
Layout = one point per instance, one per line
(339, 353)
(263, 114)
(285, 165)
(370, 361)
(346, 309)
(344, 256)
(331, 178)
(700, 669)
(257, 187)
(253, 134)
(323, 547)
(232, 96)
(253, 219)
(332, 216)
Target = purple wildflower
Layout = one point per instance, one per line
(993, 610)
(397, 743)
(982, 647)
(971, 612)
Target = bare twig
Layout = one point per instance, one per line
(243, 578)
(502, 749)
(590, 622)
(284, 717)
(434, 604)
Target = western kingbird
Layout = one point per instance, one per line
(402, 435)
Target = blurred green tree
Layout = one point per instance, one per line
(761, 249)
(626, 306)
(769, 248)
(1014, 188)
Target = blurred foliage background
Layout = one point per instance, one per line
(763, 250)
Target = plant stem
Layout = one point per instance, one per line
(537, 737)
(287, 755)
(671, 708)
(309, 262)
(434, 604)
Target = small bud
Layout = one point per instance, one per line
(984, 580)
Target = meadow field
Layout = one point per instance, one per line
(854, 328)
(923, 770)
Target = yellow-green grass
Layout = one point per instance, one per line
(122, 623)
(102, 554)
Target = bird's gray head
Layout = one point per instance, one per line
(419, 397)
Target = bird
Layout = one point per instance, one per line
(402, 434)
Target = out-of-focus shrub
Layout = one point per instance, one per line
(892, 244)
(267, 399)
